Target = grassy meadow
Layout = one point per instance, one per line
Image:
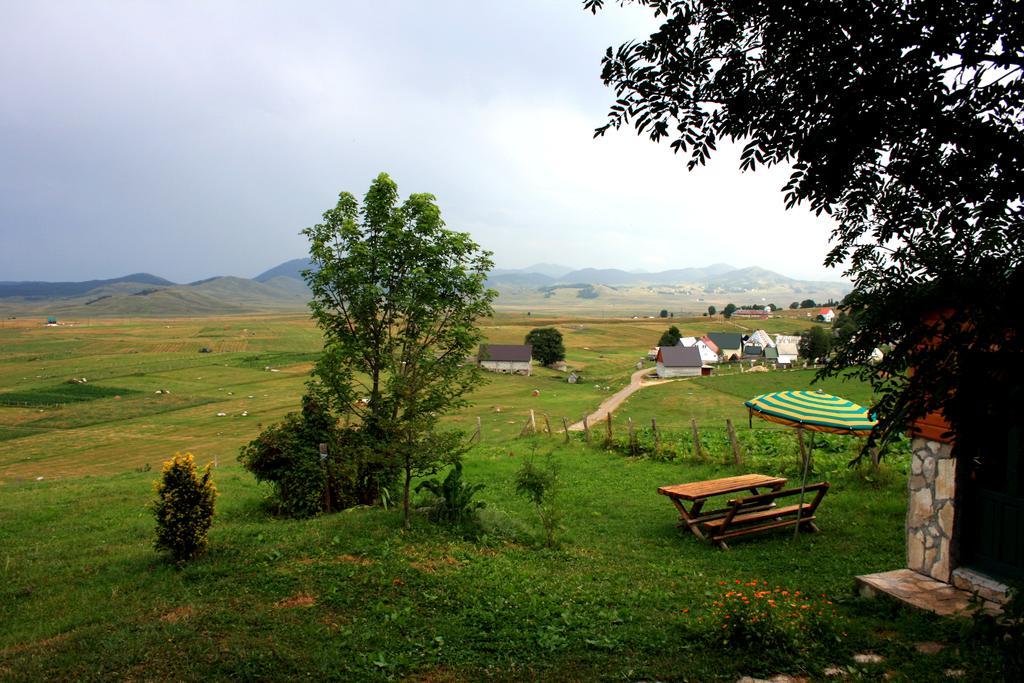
(351, 596)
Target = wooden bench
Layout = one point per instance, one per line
(748, 515)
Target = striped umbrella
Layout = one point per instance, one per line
(815, 411)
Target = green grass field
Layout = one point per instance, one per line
(350, 596)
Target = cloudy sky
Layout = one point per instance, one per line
(191, 139)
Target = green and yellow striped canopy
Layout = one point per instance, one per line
(814, 410)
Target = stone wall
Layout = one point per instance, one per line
(930, 512)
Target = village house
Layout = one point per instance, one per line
(761, 338)
(752, 351)
(679, 361)
(788, 352)
(506, 358)
(707, 354)
(752, 313)
(826, 315)
(730, 344)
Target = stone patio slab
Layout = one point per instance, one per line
(922, 592)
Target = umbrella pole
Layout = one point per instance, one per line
(803, 480)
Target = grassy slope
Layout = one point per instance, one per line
(351, 596)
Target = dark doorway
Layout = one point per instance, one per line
(991, 527)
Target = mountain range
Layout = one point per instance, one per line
(282, 288)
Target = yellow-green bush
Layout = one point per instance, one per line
(183, 508)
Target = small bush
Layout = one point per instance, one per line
(539, 485)
(453, 499)
(183, 508)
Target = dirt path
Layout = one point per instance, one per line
(636, 383)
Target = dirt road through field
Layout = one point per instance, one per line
(636, 383)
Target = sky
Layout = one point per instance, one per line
(193, 139)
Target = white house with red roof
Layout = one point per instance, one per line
(827, 314)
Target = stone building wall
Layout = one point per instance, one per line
(930, 512)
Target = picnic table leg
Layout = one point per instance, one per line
(689, 517)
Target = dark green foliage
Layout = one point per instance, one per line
(808, 303)
(454, 498)
(793, 306)
(844, 326)
(712, 310)
(663, 313)
(902, 120)
(729, 309)
(287, 455)
(815, 344)
(1007, 630)
(547, 345)
(670, 337)
(183, 508)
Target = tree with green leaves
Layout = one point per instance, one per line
(712, 310)
(398, 298)
(547, 345)
(795, 305)
(663, 313)
(904, 121)
(670, 337)
(729, 309)
(815, 344)
(808, 303)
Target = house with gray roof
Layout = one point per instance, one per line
(729, 344)
(506, 358)
(679, 361)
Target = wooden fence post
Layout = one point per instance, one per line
(533, 422)
(697, 450)
(565, 429)
(586, 429)
(478, 437)
(608, 422)
(657, 437)
(547, 425)
(737, 456)
(632, 436)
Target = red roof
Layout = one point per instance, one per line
(826, 311)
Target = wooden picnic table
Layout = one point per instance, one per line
(698, 492)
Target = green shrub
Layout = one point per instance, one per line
(539, 485)
(453, 499)
(287, 455)
(183, 508)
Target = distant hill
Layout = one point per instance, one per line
(46, 290)
(551, 270)
(292, 269)
(159, 297)
(520, 279)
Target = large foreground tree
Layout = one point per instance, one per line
(398, 298)
(903, 120)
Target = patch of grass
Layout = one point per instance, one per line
(67, 392)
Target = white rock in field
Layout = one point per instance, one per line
(245, 413)
(221, 414)
(39, 478)
(250, 397)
